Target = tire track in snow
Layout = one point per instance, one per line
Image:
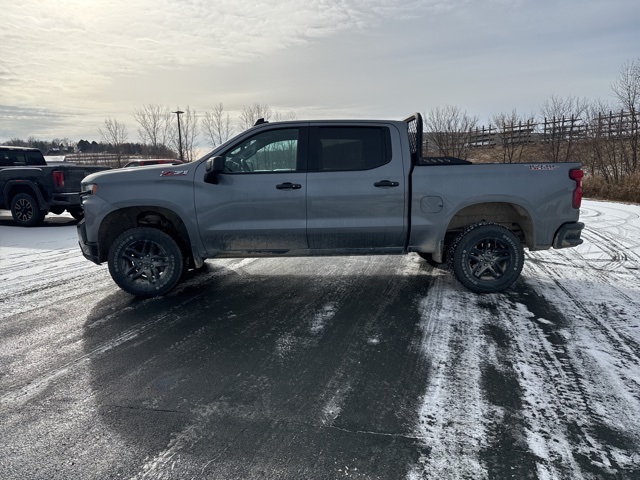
(576, 427)
(589, 353)
(616, 231)
(625, 345)
(452, 424)
(557, 407)
(609, 297)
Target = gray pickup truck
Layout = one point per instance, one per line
(308, 188)
(30, 188)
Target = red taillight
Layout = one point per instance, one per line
(577, 175)
(58, 178)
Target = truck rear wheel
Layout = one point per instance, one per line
(26, 211)
(487, 258)
(145, 262)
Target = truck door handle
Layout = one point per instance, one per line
(386, 183)
(288, 186)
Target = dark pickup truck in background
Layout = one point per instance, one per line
(30, 188)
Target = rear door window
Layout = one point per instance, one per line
(350, 148)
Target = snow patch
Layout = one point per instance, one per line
(321, 318)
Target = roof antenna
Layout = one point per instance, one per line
(260, 121)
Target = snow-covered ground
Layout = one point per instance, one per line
(542, 381)
(566, 341)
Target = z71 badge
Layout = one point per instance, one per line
(173, 173)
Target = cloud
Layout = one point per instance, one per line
(98, 59)
(34, 120)
(77, 46)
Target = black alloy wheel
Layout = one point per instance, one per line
(145, 261)
(487, 258)
(26, 211)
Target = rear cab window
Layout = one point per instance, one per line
(21, 158)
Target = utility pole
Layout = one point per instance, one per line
(178, 113)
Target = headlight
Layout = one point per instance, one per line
(89, 188)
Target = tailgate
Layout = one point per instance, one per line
(73, 175)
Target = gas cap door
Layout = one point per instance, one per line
(431, 204)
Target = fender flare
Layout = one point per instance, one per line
(23, 185)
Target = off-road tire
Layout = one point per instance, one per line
(487, 258)
(145, 262)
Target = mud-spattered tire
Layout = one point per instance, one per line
(26, 211)
(145, 262)
(487, 258)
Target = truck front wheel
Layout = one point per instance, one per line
(26, 211)
(145, 262)
(487, 258)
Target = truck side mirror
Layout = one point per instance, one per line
(214, 167)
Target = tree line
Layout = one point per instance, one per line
(603, 135)
(160, 127)
(65, 146)
(160, 134)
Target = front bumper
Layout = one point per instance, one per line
(568, 235)
(89, 250)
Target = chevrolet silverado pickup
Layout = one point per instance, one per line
(30, 188)
(306, 188)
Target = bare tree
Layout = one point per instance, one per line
(604, 153)
(188, 134)
(155, 125)
(626, 89)
(515, 133)
(563, 124)
(251, 113)
(115, 134)
(448, 129)
(217, 125)
(285, 116)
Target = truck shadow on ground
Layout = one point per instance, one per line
(291, 372)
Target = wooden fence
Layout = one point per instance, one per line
(623, 124)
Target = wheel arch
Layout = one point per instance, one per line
(143, 216)
(14, 188)
(510, 215)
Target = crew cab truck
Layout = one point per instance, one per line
(30, 188)
(308, 188)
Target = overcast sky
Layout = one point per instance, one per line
(67, 65)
